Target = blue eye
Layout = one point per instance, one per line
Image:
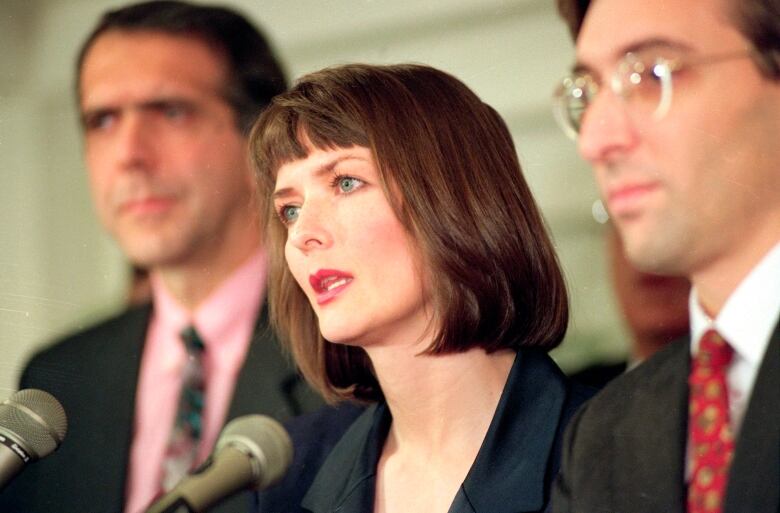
(347, 184)
(289, 213)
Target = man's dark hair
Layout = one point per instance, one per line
(573, 12)
(254, 74)
(757, 20)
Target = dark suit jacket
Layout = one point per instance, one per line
(624, 452)
(313, 436)
(599, 374)
(94, 376)
(513, 470)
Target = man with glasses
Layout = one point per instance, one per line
(676, 104)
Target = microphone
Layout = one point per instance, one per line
(32, 425)
(253, 451)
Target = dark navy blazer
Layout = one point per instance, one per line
(513, 470)
(313, 436)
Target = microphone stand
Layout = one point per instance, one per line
(180, 506)
(215, 480)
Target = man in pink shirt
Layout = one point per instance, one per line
(167, 92)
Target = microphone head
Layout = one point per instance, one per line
(265, 440)
(35, 420)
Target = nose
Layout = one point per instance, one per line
(309, 231)
(135, 147)
(607, 130)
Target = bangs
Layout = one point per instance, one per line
(294, 124)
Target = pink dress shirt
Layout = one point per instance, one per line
(225, 322)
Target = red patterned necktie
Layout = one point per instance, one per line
(711, 438)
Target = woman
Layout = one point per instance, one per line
(411, 269)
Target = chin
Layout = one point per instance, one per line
(347, 336)
(657, 256)
(151, 257)
(344, 340)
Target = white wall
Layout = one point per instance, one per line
(59, 272)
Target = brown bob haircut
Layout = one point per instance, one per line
(757, 20)
(458, 189)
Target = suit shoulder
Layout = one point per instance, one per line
(313, 435)
(96, 333)
(636, 385)
(90, 344)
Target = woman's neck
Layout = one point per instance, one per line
(440, 400)
(442, 407)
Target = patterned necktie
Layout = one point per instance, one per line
(711, 438)
(183, 444)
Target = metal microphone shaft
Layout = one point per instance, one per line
(252, 452)
(11, 463)
(222, 478)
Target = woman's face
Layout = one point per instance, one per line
(348, 251)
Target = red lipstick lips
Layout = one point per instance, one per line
(328, 283)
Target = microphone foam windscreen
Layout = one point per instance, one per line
(36, 418)
(266, 440)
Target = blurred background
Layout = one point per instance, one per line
(59, 272)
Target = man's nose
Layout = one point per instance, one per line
(607, 129)
(136, 143)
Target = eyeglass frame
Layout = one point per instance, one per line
(663, 68)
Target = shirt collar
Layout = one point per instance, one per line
(749, 315)
(236, 299)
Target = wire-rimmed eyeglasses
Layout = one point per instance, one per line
(642, 79)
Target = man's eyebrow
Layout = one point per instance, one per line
(159, 103)
(657, 43)
(85, 113)
(580, 68)
(644, 45)
(153, 102)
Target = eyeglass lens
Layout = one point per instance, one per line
(643, 82)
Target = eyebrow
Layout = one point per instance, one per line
(324, 169)
(656, 43)
(153, 104)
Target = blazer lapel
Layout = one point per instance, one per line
(346, 481)
(118, 366)
(510, 473)
(267, 382)
(649, 460)
(754, 477)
